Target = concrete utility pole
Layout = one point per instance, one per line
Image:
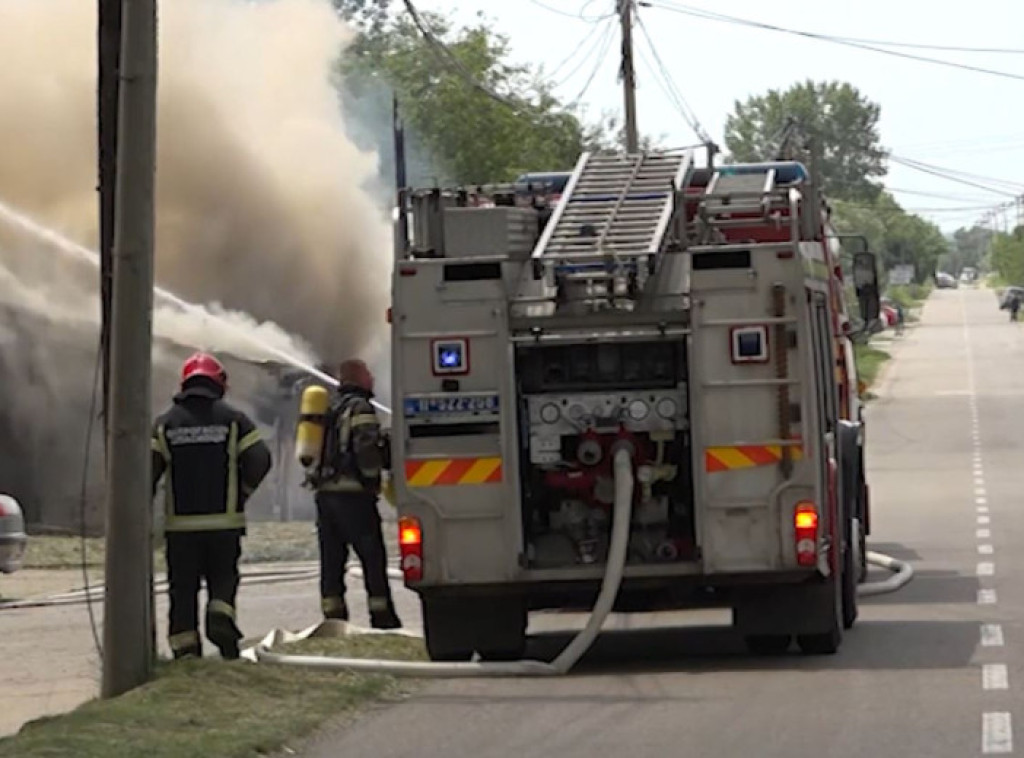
(127, 627)
(109, 54)
(629, 76)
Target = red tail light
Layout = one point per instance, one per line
(805, 527)
(410, 547)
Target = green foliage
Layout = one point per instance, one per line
(1007, 257)
(972, 244)
(895, 235)
(869, 362)
(909, 296)
(469, 135)
(845, 121)
(363, 13)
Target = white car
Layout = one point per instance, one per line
(12, 535)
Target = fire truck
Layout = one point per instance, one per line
(688, 320)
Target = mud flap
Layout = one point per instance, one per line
(805, 609)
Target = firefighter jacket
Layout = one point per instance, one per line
(214, 459)
(355, 443)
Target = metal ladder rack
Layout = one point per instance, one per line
(613, 216)
(740, 197)
(619, 204)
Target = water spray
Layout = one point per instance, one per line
(26, 223)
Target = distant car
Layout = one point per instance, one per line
(944, 281)
(12, 535)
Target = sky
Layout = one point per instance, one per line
(965, 121)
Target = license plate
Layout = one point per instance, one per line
(451, 404)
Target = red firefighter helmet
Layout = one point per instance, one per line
(204, 364)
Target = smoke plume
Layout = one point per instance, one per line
(263, 211)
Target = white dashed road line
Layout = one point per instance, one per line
(994, 676)
(991, 635)
(987, 597)
(996, 734)
(996, 726)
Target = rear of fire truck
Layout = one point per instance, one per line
(532, 347)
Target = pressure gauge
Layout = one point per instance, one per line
(638, 410)
(550, 413)
(667, 408)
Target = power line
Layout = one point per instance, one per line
(672, 90)
(442, 49)
(961, 176)
(936, 195)
(577, 16)
(605, 43)
(602, 41)
(709, 16)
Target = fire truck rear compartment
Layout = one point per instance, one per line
(579, 404)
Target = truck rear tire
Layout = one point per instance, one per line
(447, 629)
(502, 637)
(455, 628)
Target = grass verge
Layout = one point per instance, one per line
(266, 542)
(869, 362)
(217, 709)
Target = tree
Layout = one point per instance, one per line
(899, 238)
(475, 115)
(845, 122)
(972, 244)
(364, 14)
(1008, 256)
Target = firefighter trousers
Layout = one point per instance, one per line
(347, 519)
(191, 558)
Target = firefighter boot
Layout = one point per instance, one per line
(334, 607)
(185, 645)
(383, 614)
(221, 629)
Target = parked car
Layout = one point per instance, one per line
(12, 535)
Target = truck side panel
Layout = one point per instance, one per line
(455, 466)
(747, 375)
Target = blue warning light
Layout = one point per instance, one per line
(450, 357)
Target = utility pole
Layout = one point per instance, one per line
(127, 621)
(628, 74)
(109, 52)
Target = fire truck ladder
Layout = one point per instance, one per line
(616, 210)
(738, 196)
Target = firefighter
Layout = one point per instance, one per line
(214, 459)
(347, 483)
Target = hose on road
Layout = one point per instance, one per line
(621, 516)
(249, 578)
(903, 572)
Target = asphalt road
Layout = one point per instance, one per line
(930, 671)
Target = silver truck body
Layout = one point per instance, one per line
(527, 349)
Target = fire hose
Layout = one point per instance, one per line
(622, 514)
(578, 646)
(248, 578)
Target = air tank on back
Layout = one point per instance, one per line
(309, 434)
